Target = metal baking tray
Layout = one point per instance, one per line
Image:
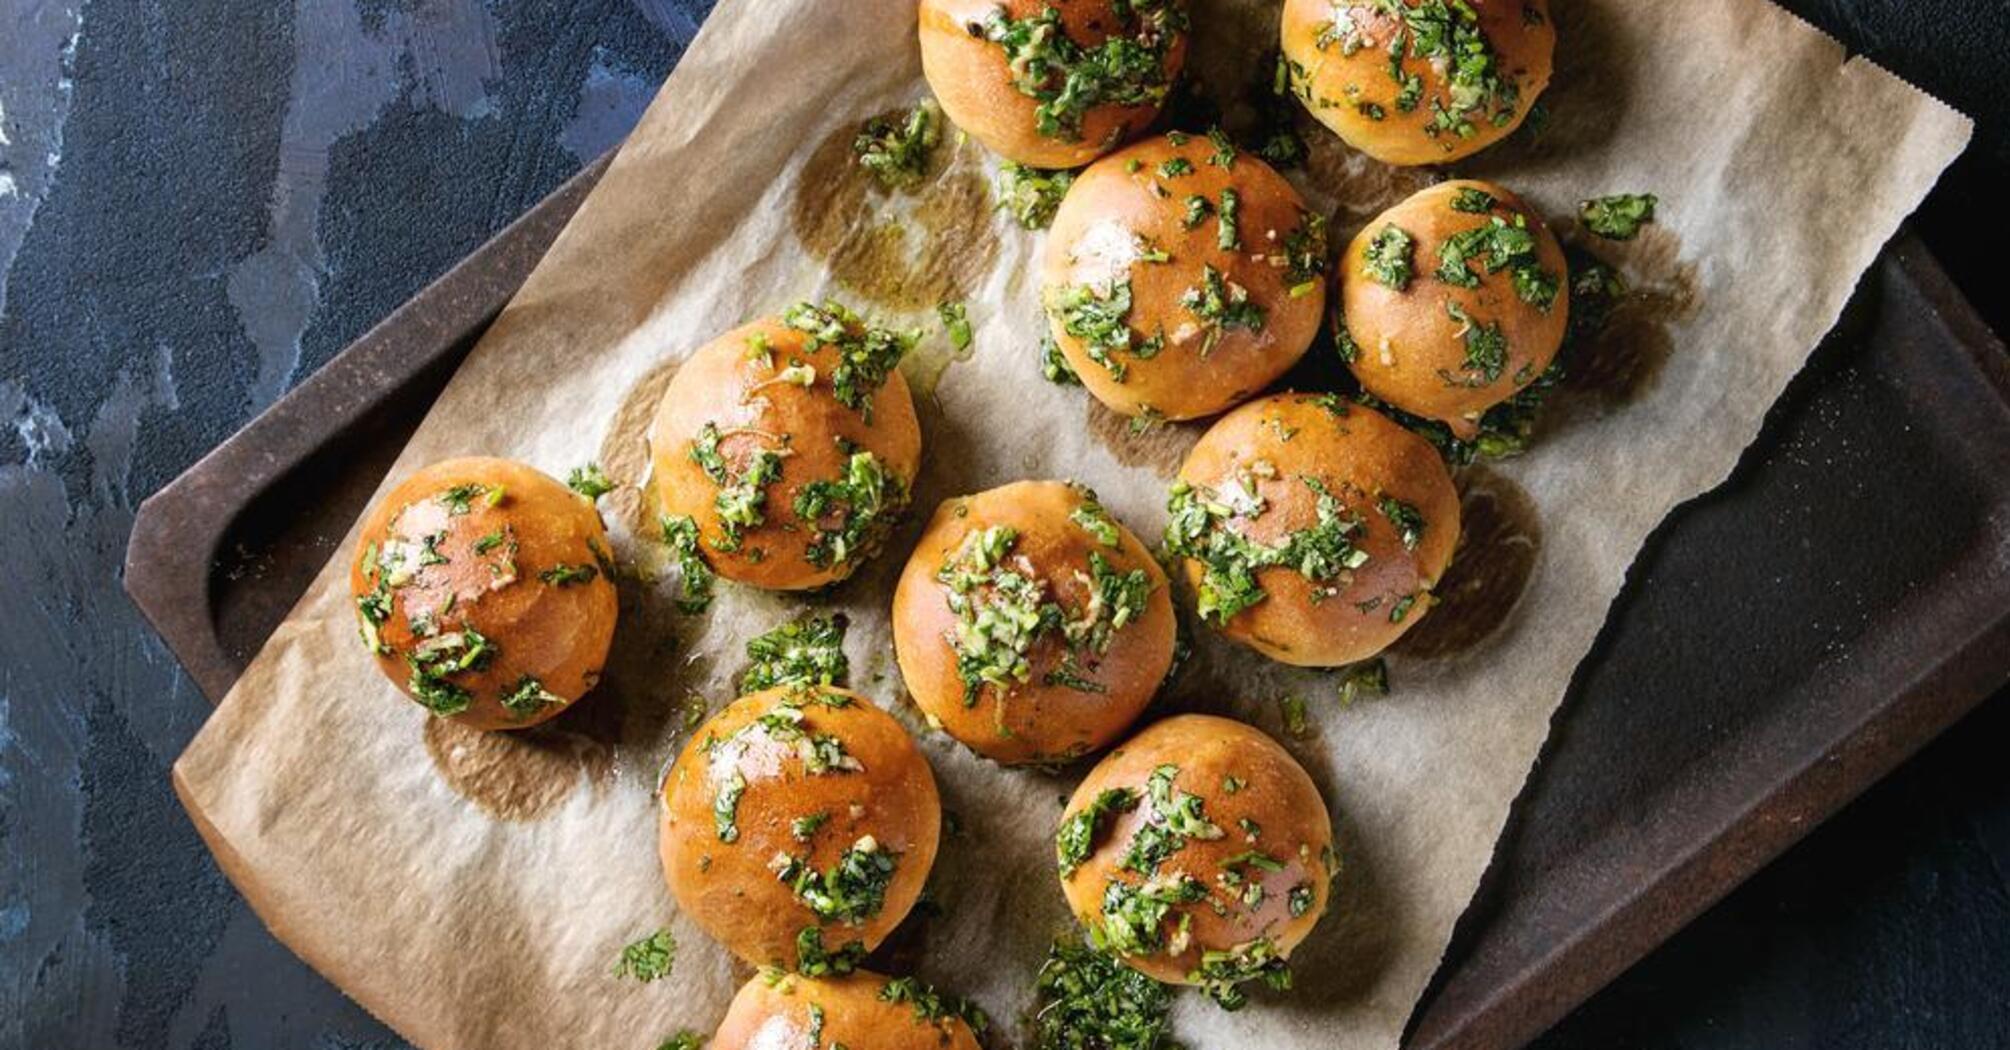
(1782, 642)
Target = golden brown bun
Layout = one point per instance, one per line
(970, 76)
(753, 409)
(734, 889)
(1034, 720)
(1345, 80)
(1361, 458)
(552, 632)
(1115, 210)
(1409, 348)
(1274, 795)
(773, 1012)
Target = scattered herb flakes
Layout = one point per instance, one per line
(814, 960)
(1031, 196)
(1088, 1000)
(1220, 305)
(563, 575)
(808, 650)
(1387, 256)
(1297, 722)
(529, 696)
(955, 324)
(680, 534)
(867, 353)
(1077, 837)
(1198, 529)
(1362, 680)
(648, 959)
(1618, 217)
(851, 891)
(1498, 244)
(685, 1039)
(1175, 167)
(1067, 79)
(804, 828)
(1197, 211)
(726, 808)
(851, 515)
(1229, 220)
(1054, 365)
(589, 481)
(896, 148)
(932, 1007)
(1472, 201)
(1407, 519)
(1094, 519)
(1486, 348)
(1221, 974)
(1305, 253)
(1133, 917)
(1098, 315)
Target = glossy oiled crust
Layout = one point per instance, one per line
(1033, 721)
(1342, 89)
(556, 633)
(774, 1014)
(970, 77)
(1360, 457)
(1276, 795)
(731, 889)
(1093, 241)
(717, 385)
(1409, 341)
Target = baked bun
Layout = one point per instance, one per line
(862, 1010)
(1182, 276)
(1468, 75)
(791, 442)
(482, 588)
(1031, 625)
(1052, 83)
(799, 824)
(1451, 349)
(1200, 853)
(1312, 529)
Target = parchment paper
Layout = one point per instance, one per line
(475, 891)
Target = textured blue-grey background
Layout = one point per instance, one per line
(203, 200)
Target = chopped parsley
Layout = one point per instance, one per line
(1619, 217)
(648, 959)
(743, 494)
(1447, 34)
(804, 651)
(933, 1007)
(1032, 196)
(1222, 973)
(1370, 678)
(955, 320)
(680, 534)
(1198, 529)
(1229, 222)
(1134, 916)
(896, 148)
(1175, 818)
(851, 515)
(442, 656)
(529, 696)
(805, 827)
(1297, 722)
(1077, 837)
(1094, 519)
(1486, 349)
(563, 575)
(814, 960)
(726, 808)
(1098, 315)
(685, 1039)
(867, 354)
(1220, 305)
(460, 499)
(1499, 244)
(1174, 167)
(1054, 365)
(1088, 1000)
(589, 481)
(851, 891)
(1197, 211)
(1305, 253)
(1067, 79)
(1472, 201)
(1409, 522)
(1387, 256)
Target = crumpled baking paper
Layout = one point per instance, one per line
(475, 891)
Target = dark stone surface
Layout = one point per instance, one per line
(203, 200)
